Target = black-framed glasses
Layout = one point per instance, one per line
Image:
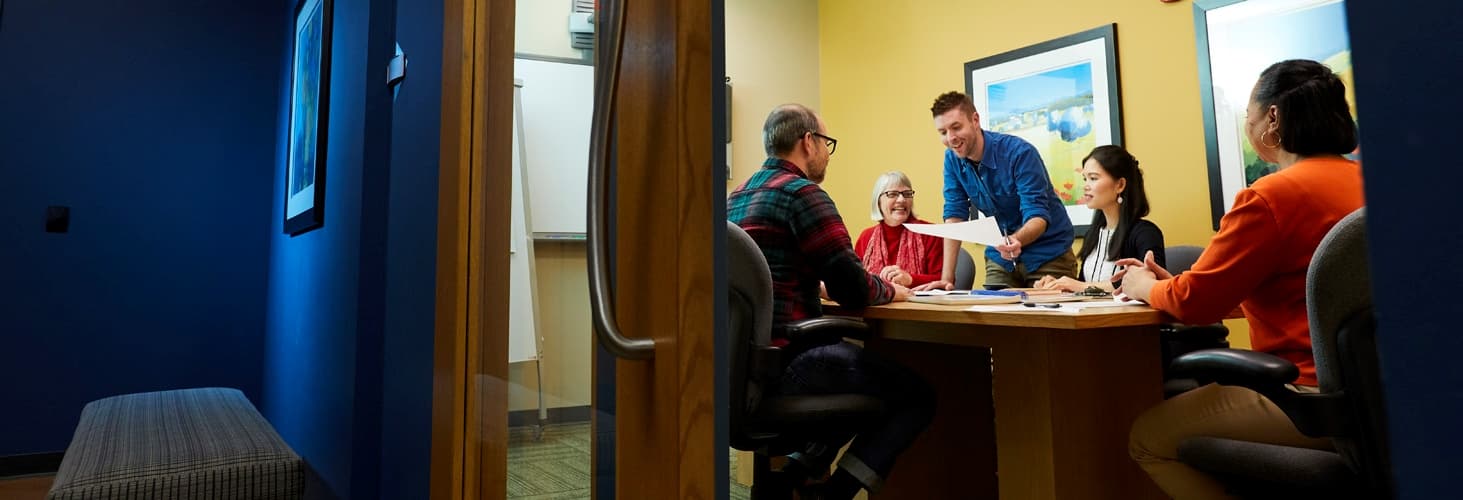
(908, 194)
(831, 142)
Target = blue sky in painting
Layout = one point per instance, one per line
(1036, 91)
(1310, 33)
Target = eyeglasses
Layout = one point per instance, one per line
(831, 142)
(908, 195)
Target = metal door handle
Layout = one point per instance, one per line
(607, 74)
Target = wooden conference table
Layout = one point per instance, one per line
(1049, 420)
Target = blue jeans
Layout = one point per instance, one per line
(844, 368)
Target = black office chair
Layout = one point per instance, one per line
(1348, 408)
(964, 270)
(1178, 339)
(777, 425)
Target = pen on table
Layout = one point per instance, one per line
(1033, 304)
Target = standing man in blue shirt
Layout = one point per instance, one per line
(1004, 177)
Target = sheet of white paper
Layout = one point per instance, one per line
(938, 292)
(1066, 307)
(983, 231)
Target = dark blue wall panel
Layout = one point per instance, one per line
(314, 328)
(411, 274)
(154, 121)
(1407, 99)
(351, 305)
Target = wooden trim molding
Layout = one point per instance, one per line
(469, 451)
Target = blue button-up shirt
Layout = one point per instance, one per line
(1020, 190)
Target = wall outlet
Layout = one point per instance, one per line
(58, 219)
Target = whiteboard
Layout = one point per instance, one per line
(558, 103)
(523, 338)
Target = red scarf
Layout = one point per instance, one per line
(911, 250)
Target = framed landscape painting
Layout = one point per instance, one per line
(304, 206)
(1061, 96)
(1237, 39)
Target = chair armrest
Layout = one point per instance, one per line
(1315, 415)
(1261, 372)
(1213, 332)
(825, 330)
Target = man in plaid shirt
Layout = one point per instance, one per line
(799, 230)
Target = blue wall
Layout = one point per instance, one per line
(348, 361)
(1407, 99)
(322, 347)
(411, 275)
(153, 120)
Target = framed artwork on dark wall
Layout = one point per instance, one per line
(1238, 39)
(304, 205)
(1059, 95)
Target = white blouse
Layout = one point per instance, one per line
(1099, 265)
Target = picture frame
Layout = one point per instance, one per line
(304, 204)
(1062, 96)
(1238, 39)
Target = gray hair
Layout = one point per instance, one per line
(883, 183)
(785, 126)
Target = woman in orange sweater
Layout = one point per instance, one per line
(1298, 118)
(891, 251)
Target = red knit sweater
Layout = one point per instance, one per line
(929, 267)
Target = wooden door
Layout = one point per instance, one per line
(669, 201)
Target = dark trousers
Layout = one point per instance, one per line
(844, 368)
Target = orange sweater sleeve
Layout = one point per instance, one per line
(1229, 270)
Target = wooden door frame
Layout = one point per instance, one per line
(469, 453)
(666, 149)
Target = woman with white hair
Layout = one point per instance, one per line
(890, 250)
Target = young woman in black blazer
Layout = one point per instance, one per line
(1114, 190)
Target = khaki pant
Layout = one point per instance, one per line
(1212, 410)
(998, 277)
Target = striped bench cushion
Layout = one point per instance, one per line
(207, 443)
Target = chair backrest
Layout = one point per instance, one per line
(1180, 258)
(1338, 286)
(749, 320)
(1343, 339)
(964, 270)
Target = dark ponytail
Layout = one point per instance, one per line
(1311, 103)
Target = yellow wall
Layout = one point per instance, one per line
(772, 59)
(884, 62)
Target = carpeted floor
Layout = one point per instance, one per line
(557, 468)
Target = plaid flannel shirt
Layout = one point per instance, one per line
(799, 231)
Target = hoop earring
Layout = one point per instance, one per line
(1277, 140)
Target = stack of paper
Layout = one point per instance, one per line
(1062, 308)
